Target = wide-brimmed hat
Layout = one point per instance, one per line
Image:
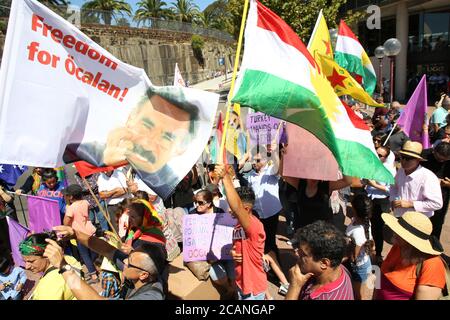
(415, 228)
(413, 149)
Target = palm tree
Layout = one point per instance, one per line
(107, 8)
(206, 19)
(185, 10)
(152, 9)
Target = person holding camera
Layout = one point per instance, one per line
(142, 268)
(12, 279)
(51, 285)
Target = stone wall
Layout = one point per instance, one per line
(157, 51)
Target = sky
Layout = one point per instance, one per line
(201, 3)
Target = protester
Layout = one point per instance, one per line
(415, 186)
(413, 269)
(142, 267)
(219, 200)
(359, 230)
(204, 203)
(95, 213)
(77, 217)
(112, 188)
(12, 279)
(264, 182)
(438, 118)
(51, 188)
(32, 183)
(438, 161)
(248, 239)
(136, 184)
(378, 192)
(110, 274)
(443, 135)
(51, 285)
(314, 200)
(318, 273)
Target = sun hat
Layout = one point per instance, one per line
(412, 149)
(415, 228)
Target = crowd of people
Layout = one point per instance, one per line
(125, 235)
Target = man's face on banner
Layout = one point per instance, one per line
(151, 138)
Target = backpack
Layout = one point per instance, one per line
(446, 295)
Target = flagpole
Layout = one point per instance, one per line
(23, 212)
(392, 130)
(233, 78)
(107, 217)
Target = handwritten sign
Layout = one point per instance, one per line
(207, 236)
(263, 129)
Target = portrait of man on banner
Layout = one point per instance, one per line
(158, 130)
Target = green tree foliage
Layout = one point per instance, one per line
(217, 16)
(107, 9)
(148, 9)
(300, 15)
(185, 10)
(197, 43)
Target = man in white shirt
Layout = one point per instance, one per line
(112, 187)
(415, 186)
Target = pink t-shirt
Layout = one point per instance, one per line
(79, 212)
(250, 274)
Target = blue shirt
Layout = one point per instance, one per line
(56, 194)
(439, 116)
(11, 281)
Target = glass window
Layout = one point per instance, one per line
(435, 31)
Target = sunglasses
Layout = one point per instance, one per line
(201, 203)
(129, 265)
(406, 158)
(381, 156)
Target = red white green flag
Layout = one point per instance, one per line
(351, 55)
(280, 78)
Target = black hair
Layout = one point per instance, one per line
(5, 263)
(362, 207)
(443, 149)
(246, 194)
(324, 240)
(137, 207)
(142, 195)
(207, 195)
(49, 174)
(210, 167)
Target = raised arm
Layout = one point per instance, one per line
(232, 197)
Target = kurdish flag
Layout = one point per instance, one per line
(280, 77)
(350, 55)
(343, 83)
(320, 42)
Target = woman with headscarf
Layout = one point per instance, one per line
(413, 269)
(51, 285)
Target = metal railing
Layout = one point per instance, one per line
(80, 17)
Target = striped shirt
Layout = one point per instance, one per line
(340, 289)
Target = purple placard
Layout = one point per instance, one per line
(17, 233)
(207, 236)
(263, 129)
(43, 214)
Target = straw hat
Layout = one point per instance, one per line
(415, 228)
(413, 149)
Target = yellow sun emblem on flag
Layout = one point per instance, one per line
(328, 98)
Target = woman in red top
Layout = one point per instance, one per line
(414, 247)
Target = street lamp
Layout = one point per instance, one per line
(333, 37)
(379, 53)
(392, 48)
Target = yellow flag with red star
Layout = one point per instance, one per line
(320, 42)
(343, 83)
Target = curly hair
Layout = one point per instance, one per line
(324, 240)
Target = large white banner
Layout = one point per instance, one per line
(65, 98)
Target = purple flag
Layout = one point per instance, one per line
(414, 114)
(43, 214)
(17, 233)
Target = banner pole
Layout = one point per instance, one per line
(107, 217)
(233, 80)
(393, 128)
(23, 213)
